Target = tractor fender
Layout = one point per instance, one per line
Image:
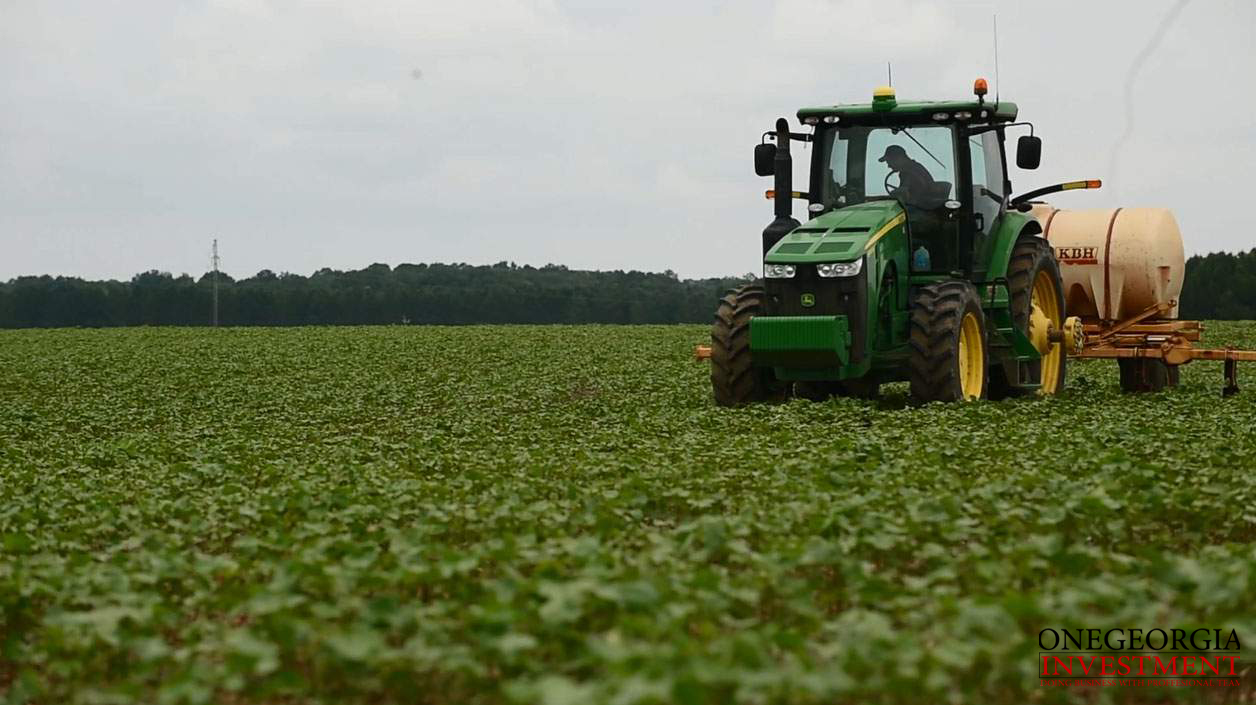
(998, 307)
(883, 253)
(1011, 226)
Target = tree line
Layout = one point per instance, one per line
(1219, 286)
(378, 294)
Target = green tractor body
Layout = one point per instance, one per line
(942, 280)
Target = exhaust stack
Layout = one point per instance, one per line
(784, 184)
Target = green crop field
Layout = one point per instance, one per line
(560, 515)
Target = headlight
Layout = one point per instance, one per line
(778, 271)
(839, 269)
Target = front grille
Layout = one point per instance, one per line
(841, 296)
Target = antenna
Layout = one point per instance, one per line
(996, 59)
(213, 260)
(889, 74)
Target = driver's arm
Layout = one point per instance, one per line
(915, 179)
(906, 184)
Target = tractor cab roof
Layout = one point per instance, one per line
(886, 110)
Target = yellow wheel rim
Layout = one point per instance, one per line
(1046, 298)
(971, 356)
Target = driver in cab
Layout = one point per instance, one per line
(916, 184)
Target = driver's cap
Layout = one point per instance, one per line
(893, 151)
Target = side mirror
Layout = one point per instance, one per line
(765, 159)
(1028, 152)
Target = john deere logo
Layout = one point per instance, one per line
(808, 300)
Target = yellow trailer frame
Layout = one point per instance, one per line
(1151, 335)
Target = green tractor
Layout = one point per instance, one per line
(917, 263)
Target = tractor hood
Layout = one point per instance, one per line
(841, 235)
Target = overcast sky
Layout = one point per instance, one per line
(602, 134)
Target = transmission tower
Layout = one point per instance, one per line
(213, 260)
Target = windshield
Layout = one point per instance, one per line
(915, 165)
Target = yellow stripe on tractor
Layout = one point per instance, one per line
(885, 230)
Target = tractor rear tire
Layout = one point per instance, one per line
(734, 379)
(1147, 374)
(949, 356)
(1032, 258)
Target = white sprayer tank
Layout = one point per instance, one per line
(1115, 263)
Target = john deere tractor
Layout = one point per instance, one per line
(917, 263)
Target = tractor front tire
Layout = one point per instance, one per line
(734, 378)
(1033, 277)
(949, 357)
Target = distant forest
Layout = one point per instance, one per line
(1218, 286)
(379, 294)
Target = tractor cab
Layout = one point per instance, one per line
(942, 163)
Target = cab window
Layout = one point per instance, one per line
(853, 171)
(986, 161)
(931, 148)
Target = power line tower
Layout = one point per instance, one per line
(213, 260)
